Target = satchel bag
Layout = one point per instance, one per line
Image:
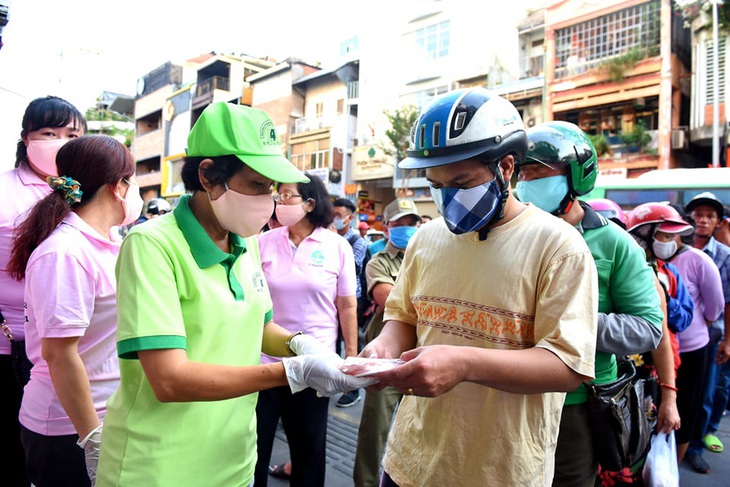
(18, 358)
(621, 418)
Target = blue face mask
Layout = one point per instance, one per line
(467, 210)
(545, 193)
(399, 236)
(339, 223)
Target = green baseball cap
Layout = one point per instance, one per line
(248, 133)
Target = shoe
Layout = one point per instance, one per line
(278, 472)
(713, 443)
(348, 399)
(697, 463)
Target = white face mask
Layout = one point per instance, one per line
(242, 214)
(132, 204)
(290, 215)
(664, 250)
(42, 155)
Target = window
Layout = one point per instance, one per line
(314, 154)
(434, 40)
(340, 106)
(421, 98)
(584, 46)
(711, 72)
(319, 108)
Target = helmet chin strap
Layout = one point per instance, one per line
(565, 205)
(499, 214)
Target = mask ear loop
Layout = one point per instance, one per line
(497, 170)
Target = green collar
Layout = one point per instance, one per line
(205, 252)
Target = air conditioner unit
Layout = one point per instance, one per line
(679, 138)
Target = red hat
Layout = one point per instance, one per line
(363, 226)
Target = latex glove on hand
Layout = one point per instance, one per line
(321, 372)
(305, 345)
(92, 446)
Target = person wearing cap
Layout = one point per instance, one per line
(363, 228)
(184, 413)
(707, 211)
(703, 281)
(479, 312)
(401, 221)
(561, 165)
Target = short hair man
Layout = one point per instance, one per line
(401, 220)
(561, 166)
(707, 211)
(479, 312)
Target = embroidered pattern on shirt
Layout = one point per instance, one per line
(474, 321)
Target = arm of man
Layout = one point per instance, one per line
(441, 367)
(635, 323)
(70, 382)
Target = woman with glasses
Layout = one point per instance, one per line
(311, 275)
(66, 251)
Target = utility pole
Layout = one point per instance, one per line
(715, 89)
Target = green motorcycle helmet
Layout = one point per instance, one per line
(560, 144)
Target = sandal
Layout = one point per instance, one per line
(697, 463)
(713, 443)
(279, 472)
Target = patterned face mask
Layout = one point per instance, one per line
(467, 210)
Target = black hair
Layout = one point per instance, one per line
(49, 111)
(323, 212)
(223, 168)
(346, 203)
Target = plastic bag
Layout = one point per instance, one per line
(661, 469)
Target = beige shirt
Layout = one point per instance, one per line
(532, 283)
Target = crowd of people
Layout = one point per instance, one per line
(152, 345)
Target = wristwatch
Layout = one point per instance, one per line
(288, 341)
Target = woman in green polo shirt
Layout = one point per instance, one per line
(195, 315)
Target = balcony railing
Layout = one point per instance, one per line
(211, 84)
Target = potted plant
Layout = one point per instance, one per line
(600, 142)
(637, 138)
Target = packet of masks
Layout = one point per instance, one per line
(363, 367)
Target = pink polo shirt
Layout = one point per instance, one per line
(21, 189)
(305, 281)
(70, 290)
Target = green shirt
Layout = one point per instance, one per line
(625, 286)
(177, 289)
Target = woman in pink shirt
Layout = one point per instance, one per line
(310, 272)
(47, 124)
(66, 250)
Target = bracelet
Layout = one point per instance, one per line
(288, 341)
(668, 386)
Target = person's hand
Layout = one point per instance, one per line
(321, 372)
(668, 420)
(376, 349)
(92, 446)
(427, 371)
(305, 345)
(723, 351)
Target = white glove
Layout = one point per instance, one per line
(321, 373)
(305, 345)
(92, 446)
